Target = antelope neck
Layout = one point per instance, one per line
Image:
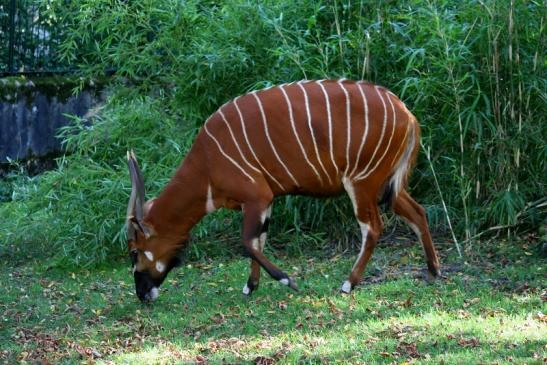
(181, 204)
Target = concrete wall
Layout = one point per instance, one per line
(32, 111)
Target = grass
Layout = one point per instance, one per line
(490, 308)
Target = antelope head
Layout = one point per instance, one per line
(153, 253)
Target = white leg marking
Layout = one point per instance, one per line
(266, 214)
(348, 186)
(308, 113)
(226, 155)
(329, 118)
(246, 290)
(264, 121)
(291, 117)
(348, 123)
(381, 135)
(255, 243)
(154, 293)
(235, 141)
(414, 228)
(149, 255)
(251, 149)
(346, 287)
(160, 266)
(365, 133)
(262, 240)
(364, 232)
(209, 205)
(284, 281)
(388, 143)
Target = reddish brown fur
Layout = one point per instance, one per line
(183, 202)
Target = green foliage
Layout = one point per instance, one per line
(472, 72)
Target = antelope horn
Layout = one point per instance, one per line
(136, 200)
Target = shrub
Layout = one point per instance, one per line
(470, 72)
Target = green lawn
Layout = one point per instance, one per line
(490, 308)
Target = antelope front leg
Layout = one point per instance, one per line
(253, 226)
(254, 277)
(370, 222)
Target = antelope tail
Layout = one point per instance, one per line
(401, 170)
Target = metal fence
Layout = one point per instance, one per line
(30, 37)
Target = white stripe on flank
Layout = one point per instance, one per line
(264, 121)
(235, 141)
(388, 143)
(401, 162)
(365, 133)
(307, 102)
(329, 116)
(291, 117)
(226, 155)
(381, 136)
(403, 144)
(250, 148)
(348, 123)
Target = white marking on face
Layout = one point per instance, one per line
(348, 186)
(134, 269)
(291, 118)
(210, 205)
(346, 287)
(308, 113)
(388, 143)
(246, 290)
(149, 255)
(266, 130)
(364, 232)
(235, 141)
(365, 133)
(160, 266)
(284, 281)
(226, 155)
(348, 123)
(251, 149)
(154, 293)
(329, 118)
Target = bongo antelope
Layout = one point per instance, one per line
(316, 138)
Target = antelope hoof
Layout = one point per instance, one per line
(246, 290)
(346, 287)
(433, 273)
(249, 288)
(289, 282)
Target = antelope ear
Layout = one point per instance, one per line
(147, 206)
(145, 229)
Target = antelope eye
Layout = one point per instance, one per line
(134, 256)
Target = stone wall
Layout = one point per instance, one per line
(33, 110)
